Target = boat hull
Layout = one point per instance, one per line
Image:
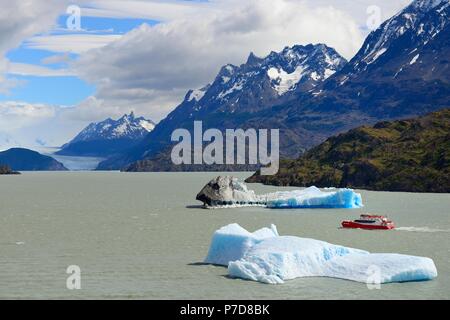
(356, 225)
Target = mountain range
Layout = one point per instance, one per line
(238, 93)
(311, 93)
(108, 137)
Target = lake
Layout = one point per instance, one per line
(142, 235)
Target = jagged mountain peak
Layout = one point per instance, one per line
(421, 21)
(128, 126)
(129, 117)
(254, 60)
(296, 68)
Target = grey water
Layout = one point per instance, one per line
(143, 236)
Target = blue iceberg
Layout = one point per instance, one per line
(230, 243)
(226, 192)
(315, 198)
(266, 257)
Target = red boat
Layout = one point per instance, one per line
(370, 222)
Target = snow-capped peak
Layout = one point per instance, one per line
(285, 70)
(410, 18)
(127, 127)
(262, 81)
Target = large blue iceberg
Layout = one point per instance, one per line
(226, 191)
(315, 198)
(266, 257)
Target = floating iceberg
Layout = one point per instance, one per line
(314, 198)
(266, 257)
(230, 243)
(228, 191)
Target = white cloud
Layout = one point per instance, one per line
(57, 58)
(25, 69)
(93, 109)
(147, 9)
(73, 43)
(20, 20)
(26, 125)
(16, 115)
(359, 9)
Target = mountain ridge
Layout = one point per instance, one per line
(108, 137)
(240, 91)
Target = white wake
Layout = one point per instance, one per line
(421, 229)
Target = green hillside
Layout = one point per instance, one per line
(406, 155)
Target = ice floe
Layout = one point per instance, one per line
(266, 257)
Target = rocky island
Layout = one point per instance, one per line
(406, 155)
(7, 170)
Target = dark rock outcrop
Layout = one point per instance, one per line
(7, 170)
(226, 190)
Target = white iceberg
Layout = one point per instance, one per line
(313, 197)
(266, 257)
(230, 192)
(230, 243)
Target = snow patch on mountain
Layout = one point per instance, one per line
(374, 56)
(283, 81)
(197, 95)
(414, 60)
(236, 87)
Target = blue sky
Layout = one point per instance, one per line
(62, 90)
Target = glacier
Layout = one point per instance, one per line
(230, 192)
(267, 257)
